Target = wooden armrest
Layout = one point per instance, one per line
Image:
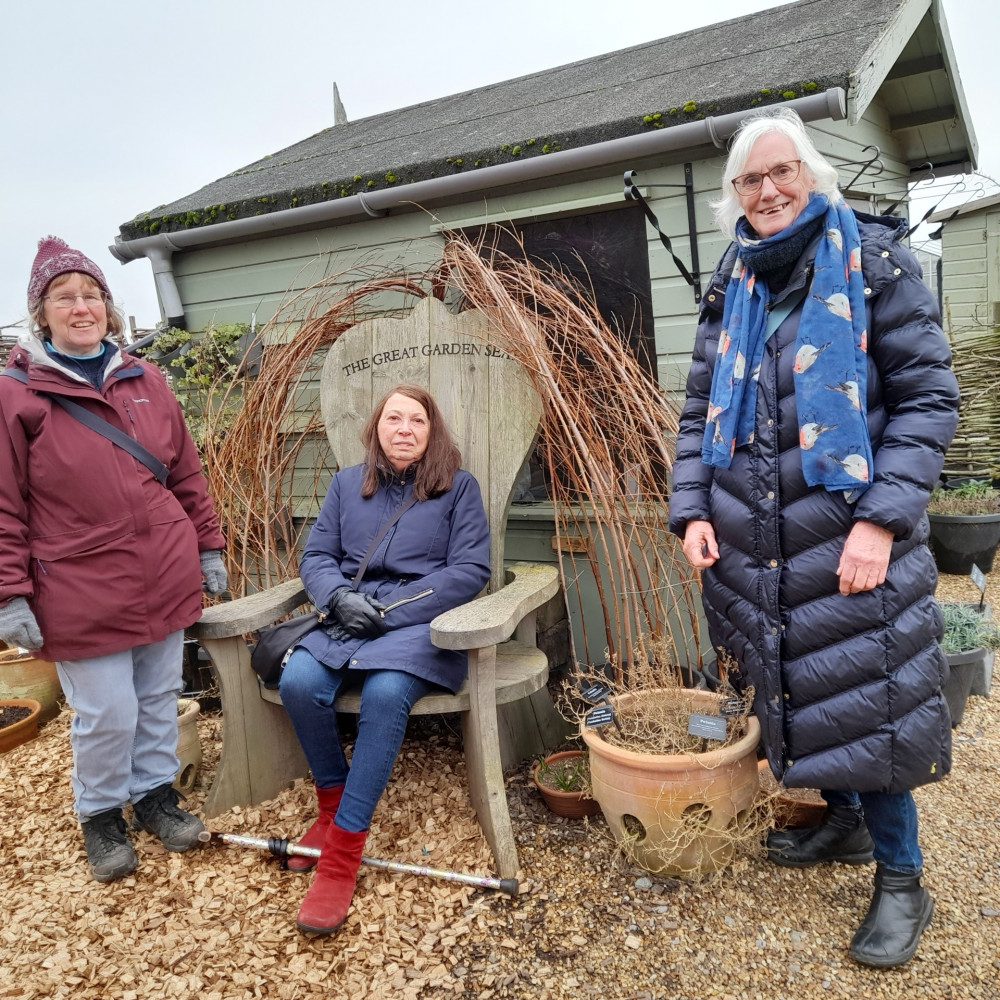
(492, 619)
(221, 621)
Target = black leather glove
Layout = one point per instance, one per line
(357, 613)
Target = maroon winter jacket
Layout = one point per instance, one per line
(106, 557)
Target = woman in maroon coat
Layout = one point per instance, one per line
(102, 563)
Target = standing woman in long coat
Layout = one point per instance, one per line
(435, 557)
(820, 402)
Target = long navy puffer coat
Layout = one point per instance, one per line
(847, 688)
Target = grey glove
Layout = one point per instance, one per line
(214, 572)
(357, 613)
(18, 626)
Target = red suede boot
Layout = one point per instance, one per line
(326, 903)
(328, 799)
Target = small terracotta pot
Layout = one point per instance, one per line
(23, 675)
(24, 729)
(573, 805)
(188, 745)
(791, 812)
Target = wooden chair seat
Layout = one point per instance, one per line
(521, 671)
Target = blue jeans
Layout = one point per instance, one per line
(124, 728)
(309, 689)
(892, 821)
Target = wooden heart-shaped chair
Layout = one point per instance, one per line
(493, 412)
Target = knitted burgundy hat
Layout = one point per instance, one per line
(54, 257)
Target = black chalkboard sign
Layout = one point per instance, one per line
(600, 716)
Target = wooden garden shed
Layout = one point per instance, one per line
(970, 298)
(610, 160)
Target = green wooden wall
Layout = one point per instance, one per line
(970, 272)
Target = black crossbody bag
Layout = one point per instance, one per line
(276, 642)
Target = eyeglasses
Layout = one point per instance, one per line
(783, 173)
(67, 301)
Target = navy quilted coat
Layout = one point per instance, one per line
(847, 688)
(434, 558)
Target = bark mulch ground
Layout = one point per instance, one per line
(218, 923)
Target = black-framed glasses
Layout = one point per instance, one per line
(67, 301)
(783, 173)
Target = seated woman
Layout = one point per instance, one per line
(436, 557)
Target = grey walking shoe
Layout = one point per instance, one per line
(157, 812)
(108, 848)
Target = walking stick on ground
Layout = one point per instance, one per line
(282, 848)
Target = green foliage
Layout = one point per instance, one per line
(976, 496)
(965, 629)
(201, 366)
(571, 774)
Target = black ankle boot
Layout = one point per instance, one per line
(842, 836)
(899, 911)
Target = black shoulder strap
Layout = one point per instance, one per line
(401, 510)
(102, 427)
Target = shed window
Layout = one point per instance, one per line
(607, 252)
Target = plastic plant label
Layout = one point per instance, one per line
(731, 707)
(600, 716)
(709, 727)
(978, 578)
(595, 693)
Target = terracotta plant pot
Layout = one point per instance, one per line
(24, 729)
(188, 745)
(23, 675)
(572, 804)
(794, 808)
(679, 813)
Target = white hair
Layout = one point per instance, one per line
(783, 121)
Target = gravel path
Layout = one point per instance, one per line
(218, 923)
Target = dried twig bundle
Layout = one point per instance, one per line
(604, 439)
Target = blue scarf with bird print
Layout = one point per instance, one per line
(830, 369)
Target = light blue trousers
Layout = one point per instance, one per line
(124, 730)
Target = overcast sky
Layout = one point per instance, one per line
(110, 108)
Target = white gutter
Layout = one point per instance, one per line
(711, 131)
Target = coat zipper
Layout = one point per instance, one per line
(405, 600)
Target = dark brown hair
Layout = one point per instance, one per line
(435, 471)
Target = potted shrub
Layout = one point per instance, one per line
(965, 526)
(968, 638)
(676, 803)
(563, 778)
